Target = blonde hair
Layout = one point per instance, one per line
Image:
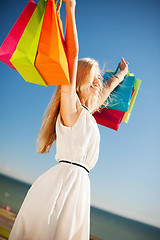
(47, 132)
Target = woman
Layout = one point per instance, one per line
(57, 206)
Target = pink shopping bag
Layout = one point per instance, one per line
(9, 45)
(109, 118)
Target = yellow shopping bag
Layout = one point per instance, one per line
(136, 86)
(24, 56)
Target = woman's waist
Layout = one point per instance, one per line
(77, 164)
(86, 159)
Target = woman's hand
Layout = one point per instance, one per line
(70, 3)
(123, 67)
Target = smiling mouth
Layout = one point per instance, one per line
(96, 87)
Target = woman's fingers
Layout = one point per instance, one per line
(124, 66)
(70, 3)
(123, 61)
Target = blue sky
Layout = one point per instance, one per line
(126, 178)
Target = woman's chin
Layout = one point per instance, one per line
(95, 91)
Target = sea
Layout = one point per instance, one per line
(104, 225)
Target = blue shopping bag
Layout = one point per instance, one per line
(121, 96)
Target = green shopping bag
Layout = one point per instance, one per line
(136, 86)
(24, 56)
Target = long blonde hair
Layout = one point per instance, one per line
(47, 132)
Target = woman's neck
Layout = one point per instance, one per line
(85, 102)
(88, 102)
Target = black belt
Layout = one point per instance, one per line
(74, 164)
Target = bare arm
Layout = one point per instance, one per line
(113, 82)
(69, 107)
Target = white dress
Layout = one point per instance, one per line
(57, 206)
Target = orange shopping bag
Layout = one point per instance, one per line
(51, 60)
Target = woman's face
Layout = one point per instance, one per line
(95, 82)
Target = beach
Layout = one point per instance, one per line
(7, 219)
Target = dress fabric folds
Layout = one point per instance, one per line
(57, 206)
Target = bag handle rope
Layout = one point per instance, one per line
(58, 4)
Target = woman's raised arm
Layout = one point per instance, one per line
(68, 107)
(113, 82)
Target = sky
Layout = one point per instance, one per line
(126, 178)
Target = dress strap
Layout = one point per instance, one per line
(86, 108)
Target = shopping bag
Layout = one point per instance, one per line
(24, 56)
(9, 45)
(137, 84)
(109, 118)
(121, 95)
(51, 60)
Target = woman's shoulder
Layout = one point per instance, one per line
(77, 122)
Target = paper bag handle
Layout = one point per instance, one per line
(58, 4)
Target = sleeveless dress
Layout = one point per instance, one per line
(57, 206)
